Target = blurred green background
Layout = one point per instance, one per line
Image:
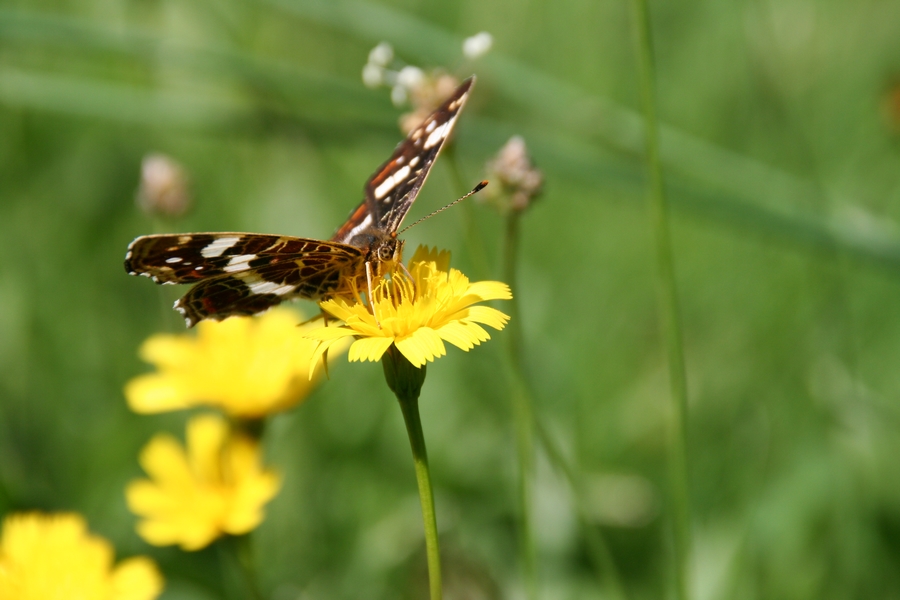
(781, 149)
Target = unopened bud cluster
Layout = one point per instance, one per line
(519, 180)
(163, 190)
(422, 90)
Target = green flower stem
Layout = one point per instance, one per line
(668, 308)
(406, 381)
(238, 548)
(523, 412)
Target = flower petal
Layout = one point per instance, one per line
(136, 579)
(424, 345)
(370, 349)
(488, 316)
(156, 392)
(489, 290)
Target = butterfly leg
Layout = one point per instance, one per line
(411, 280)
(321, 315)
(324, 316)
(371, 294)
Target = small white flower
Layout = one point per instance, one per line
(381, 54)
(399, 95)
(410, 77)
(372, 75)
(478, 45)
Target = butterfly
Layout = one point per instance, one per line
(248, 273)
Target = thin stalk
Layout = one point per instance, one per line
(406, 381)
(668, 307)
(597, 546)
(523, 412)
(237, 549)
(477, 252)
(244, 551)
(526, 424)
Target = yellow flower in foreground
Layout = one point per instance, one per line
(247, 366)
(218, 486)
(53, 557)
(416, 315)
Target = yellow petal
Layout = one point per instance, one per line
(156, 392)
(370, 349)
(166, 350)
(205, 437)
(422, 346)
(488, 316)
(164, 459)
(329, 333)
(489, 290)
(136, 579)
(462, 335)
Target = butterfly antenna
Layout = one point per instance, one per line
(475, 190)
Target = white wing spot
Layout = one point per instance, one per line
(414, 161)
(361, 227)
(239, 263)
(391, 182)
(218, 246)
(270, 287)
(430, 127)
(440, 134)
(174, 259)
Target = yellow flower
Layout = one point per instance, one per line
(416, 315)
(53, 557)
(247, 366)
(218, 486)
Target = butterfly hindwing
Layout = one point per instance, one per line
(240, 273)
(255, 290)
(391, 190)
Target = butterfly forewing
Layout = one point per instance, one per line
(392, 189)
(248, 273)
(192, 257)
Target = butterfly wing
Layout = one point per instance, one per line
(393, 188)
(247, 273)
(241, 273)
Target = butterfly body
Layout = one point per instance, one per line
(248, 273)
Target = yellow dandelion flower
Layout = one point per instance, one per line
(247, 366)
(216, 486)
(416, 315)
(53, 557)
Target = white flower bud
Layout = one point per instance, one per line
(478, 45)
(399, 95)
(410, 77)
(381, 55)
(372, 75)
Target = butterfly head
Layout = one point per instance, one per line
(386, 251)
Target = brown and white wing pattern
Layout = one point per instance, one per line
(391, 190)
(241, 273)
